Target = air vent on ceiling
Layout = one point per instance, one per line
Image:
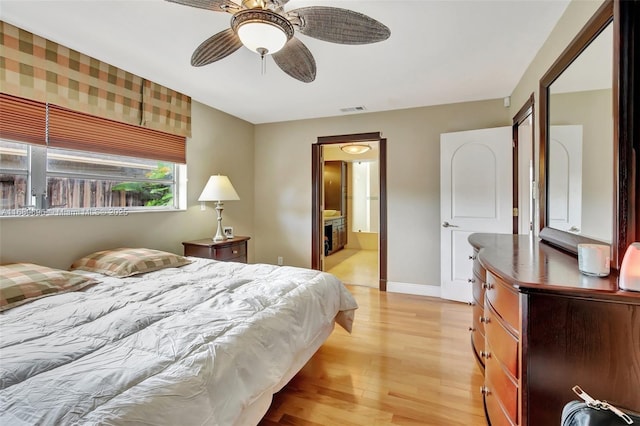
(353, 109)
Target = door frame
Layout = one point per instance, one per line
(528, 109)
(316, 191)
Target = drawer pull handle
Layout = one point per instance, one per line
(471, 280)
(485, 355)
(235, 251)
(472, 329)
(485, 320)
(487, 286)
(472, 257)
(484, 390)
(471, 303)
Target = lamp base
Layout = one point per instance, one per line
(629, 278)
(219, 234)
(631, 285)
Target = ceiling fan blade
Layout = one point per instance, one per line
(216, 47)
(296, 60)
(213, 5)
(337, 25)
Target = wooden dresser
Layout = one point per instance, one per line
(540, 327)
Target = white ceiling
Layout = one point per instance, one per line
(439, 52)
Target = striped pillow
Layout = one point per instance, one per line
(24, 282)
(124, 262)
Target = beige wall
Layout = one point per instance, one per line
(270, 167)
(283, 182)
(220, 144)
(576, 15)
(283, 167)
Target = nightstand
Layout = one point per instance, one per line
(230, 250)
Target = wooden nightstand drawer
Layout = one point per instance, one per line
(233, 249)
(231, 252)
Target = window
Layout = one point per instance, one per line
(59, 161)
(14, 172)
(42, 180)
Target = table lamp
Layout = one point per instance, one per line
(219, 189)
(630, 269)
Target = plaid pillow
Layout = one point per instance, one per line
(124, 262)
(24, 282)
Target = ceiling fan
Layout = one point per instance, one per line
(264, 27)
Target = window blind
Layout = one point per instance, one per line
(75, 130)
(45, 71)
(22, 120)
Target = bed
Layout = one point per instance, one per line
(207, 342)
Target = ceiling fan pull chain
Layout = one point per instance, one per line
(263, 63)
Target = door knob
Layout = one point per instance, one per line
(448, 225)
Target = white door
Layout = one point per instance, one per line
(475, 196)
(565, 178)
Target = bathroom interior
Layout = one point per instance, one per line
(351, 212)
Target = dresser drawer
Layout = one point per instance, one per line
(504, 300)
(478, 316)
(503, 345)
(478, 291)
(500, 385)
(478, 339)
(495, 412)
(478, 269)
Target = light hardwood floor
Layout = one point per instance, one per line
(408, 362)
(357, 267)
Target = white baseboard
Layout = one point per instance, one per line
(417, 289)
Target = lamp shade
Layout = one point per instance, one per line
(261, 30)
(630, 269)
(218, 188)
(262, 35)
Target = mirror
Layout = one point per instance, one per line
(609, 127)
(580, 143)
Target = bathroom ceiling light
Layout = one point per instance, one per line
(356, 148)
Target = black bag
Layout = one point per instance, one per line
(592, 412)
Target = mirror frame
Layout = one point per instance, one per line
(623, 232)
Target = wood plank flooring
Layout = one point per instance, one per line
(358, 267)
(408, 362)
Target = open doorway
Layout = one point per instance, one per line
(351, 212)
(349, 208)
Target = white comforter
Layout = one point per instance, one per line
(181, 346)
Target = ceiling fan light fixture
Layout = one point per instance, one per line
(355, 148)
(262, 31)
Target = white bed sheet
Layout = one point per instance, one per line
(206, 343)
